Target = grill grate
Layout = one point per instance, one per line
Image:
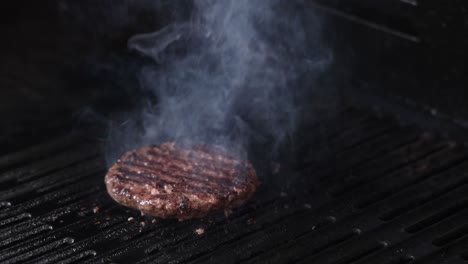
(380, 194)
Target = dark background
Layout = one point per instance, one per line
(62, 62)
(411, 55)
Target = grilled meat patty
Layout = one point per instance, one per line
(181, 180)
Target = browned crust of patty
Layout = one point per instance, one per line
(181, 180)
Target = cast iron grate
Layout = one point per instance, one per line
(381, 193)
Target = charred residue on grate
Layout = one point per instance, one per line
(403, 202)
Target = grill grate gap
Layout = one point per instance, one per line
(48, 165)
(45, 202)
(292, 243)
(353, 233)
(106, 237)
(41, 250)
(356, 158)
(330, 245)
(261, 225)
(25, 248)
(398, 188)
(14, 220)
(402, 260)
(387, 147)
(371, 135)
(79, 257)
(391, 214)
(47, 148)
(365, 253)
(67, 176)
(435, 218)
(240, 217)
(452, 236)
(348, 187)
(11, 241)
(51, 217)
(302, 247)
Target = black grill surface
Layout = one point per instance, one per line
(365, 190)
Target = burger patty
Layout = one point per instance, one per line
(181, 180)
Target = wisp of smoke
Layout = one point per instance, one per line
(235, 81)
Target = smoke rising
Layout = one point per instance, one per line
(230, 75)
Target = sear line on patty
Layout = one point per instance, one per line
(181, 180)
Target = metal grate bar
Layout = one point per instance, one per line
(379, 194)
